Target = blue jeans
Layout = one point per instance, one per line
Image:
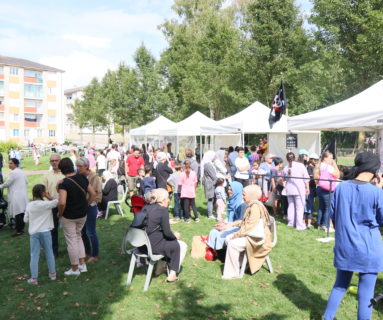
(365, 294)
(44, 240)
(324, 207)
(178, 210)
(309, 208)
(89, 234)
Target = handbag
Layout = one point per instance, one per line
(257, 232)
(199, 245)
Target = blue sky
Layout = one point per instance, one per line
(85, 38)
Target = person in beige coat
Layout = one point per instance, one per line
(240, 241)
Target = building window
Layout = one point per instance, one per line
(15, 132)
(52, 105)
(39, 133)
(52, 119)
(26, 133)
(52, 133)
(1, 115)
(1, 70)
(1, 88)
(14, 71)
(15, 117)
(38, 75)
(14, 102)
(34, 91)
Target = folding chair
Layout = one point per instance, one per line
(273, 229)
(117, 203)
(138, 238)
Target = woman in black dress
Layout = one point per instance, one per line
(162, 239)
(109, 190)
(163, 170)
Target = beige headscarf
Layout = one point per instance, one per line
(254, 192)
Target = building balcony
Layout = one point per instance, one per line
(31, 124)
(2, 107)
(2, 123)
(33, 80)
(32, 110)
(1, 76)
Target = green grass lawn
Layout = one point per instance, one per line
(298, 288)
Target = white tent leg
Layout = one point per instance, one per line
(379, 146)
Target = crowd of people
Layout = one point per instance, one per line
(238, 183)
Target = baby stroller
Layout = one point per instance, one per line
(136, 203)
(5, 219)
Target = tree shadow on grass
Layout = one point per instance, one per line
(190, 305)
(297, 292)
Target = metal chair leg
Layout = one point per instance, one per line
(107, 211)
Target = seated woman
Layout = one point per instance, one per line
(235, 210)
(240, 241)
(162, 239)
(109, 190)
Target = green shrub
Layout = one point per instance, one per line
(7, 145)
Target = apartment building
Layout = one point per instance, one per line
(76, 134)
(31, 102)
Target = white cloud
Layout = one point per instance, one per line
(80, 67)
(89, 41)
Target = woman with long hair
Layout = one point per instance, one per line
(188, 182)
(326, 169)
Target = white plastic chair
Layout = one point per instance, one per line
(138, 238)
(117, 203)
(273, 229)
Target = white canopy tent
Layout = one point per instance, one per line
(199, 124)
(362, 112)
(150, 133)
(255, 120)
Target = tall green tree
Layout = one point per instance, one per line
(92, 110)
(354, 29)
(203, 46)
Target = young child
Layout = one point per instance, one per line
(39, 215)
(140, 182)
(277, 183)
(188, 182)
(254, 172)
(220, 196)
(148, 182)
(173, 180)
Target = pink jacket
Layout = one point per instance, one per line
(188, 185)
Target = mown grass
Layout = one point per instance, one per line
(298, 289)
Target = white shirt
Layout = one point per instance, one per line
(39, 215)
(240, 163)
(114, 155)
(101, 162)
(17, 191)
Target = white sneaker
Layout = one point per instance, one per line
(331, 230)
(70, 272)
(82, 267)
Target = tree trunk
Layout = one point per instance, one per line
(94, 135)
(361, 136)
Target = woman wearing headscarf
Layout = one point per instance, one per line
(220, 165)
(297, 187)
(163, 170)
(17, 194)
(240, 241)
(209, 178)
(109, 191)
(162, 239)
(357, 212)
(235, 211)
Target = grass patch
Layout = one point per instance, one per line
(298, 289)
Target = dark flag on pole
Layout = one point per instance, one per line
(330, 146)
(279, 106)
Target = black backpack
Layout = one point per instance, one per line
(140, 220)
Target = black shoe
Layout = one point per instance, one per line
(17, 234)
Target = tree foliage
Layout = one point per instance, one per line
(223, 56)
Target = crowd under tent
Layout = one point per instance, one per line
(150, 133)
(211, 135)
(362, 112)
(255, 120)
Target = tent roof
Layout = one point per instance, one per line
(153, 128)
(191, 126)
(254, 119)
(361, 112)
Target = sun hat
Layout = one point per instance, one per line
(303, 151)
(314, 156)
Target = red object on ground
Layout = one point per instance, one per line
(211, 254)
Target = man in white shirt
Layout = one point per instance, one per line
(113, 158)
(50, 182)
(243, 166)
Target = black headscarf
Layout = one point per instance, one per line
(364, 162)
